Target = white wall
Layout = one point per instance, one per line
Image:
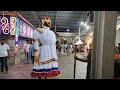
(118, 36)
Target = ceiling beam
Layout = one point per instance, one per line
(66, 26)
(55, 19)
(35, 15)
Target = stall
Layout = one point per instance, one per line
(15, 29)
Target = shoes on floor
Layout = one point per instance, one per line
(1, 72)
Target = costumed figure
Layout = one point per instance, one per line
(45, 56)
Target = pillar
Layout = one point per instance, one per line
(103, 44)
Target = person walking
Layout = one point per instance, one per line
(4, 48)
(62, 48)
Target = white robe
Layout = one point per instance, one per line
(47, 50)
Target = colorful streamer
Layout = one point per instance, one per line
(17, 34)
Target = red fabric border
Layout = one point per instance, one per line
(45, 74)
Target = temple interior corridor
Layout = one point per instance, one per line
(66, 64)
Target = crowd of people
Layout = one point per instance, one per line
(64, 48)
(28, 51)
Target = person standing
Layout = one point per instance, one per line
(4, 55)
(57, 46)
(27, 52)
(62, 48)
(68, 49)
(89, 63)
(46, 65)
(88, 60)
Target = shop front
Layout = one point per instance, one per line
(15, 29)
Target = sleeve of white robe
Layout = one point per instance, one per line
(36, 36)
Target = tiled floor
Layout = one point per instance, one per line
(66, 64)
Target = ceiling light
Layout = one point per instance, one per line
(82, 23)
(87, 27)
(67, 29)
(85, 24)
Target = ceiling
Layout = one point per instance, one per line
(63, 20)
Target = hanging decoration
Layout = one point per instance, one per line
(5, 24)
(21, 27)
(17, 35)
(24, 29)
(12, 25)
(31, 34)
(28, 31)
(8, 27)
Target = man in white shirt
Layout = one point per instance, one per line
(3, 55)
(27, 50)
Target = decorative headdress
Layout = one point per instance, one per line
(47, 20)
